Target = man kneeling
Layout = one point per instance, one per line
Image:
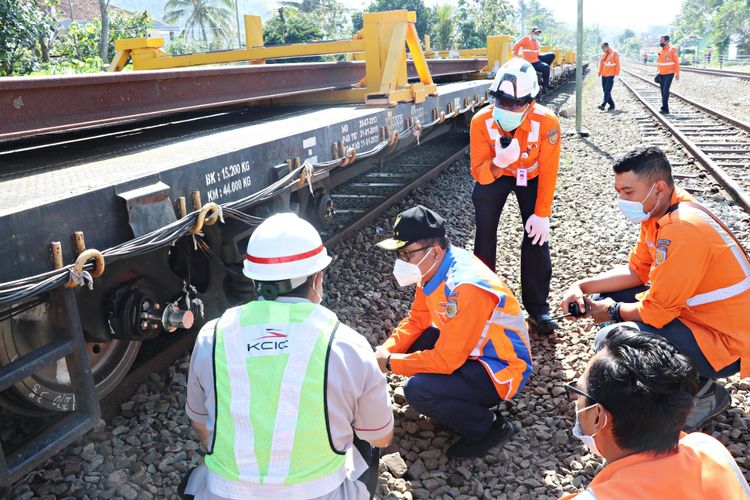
(464, 343)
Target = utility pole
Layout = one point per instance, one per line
(239, 31)
(579, 73)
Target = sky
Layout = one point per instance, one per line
(637, 15)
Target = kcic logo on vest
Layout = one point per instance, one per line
(273, 340)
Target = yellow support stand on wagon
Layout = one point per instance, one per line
(383, 40)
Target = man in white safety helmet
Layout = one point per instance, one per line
(283, 396)
(515, 147)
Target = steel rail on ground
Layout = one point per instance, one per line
(739, 195)
(718, 72)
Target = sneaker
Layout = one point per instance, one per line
(664, 111)
(543, 324)
(611, 108)
(601, 106)
(500, 432)
(711, 400)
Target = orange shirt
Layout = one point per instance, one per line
(609, 63)
(698, 275)
(539, 140)
(528, 48)
(478, 318)
(700, 468)
(668, 61)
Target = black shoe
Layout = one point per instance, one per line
(543, 324)
(500, 432)
(601, 106)
(664, 111)
(611, 108)
(711, 400)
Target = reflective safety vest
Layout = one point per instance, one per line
(700, 275)
(668, 61)
(609, 63)
(539, 141)
(271, 436)
(528, 48)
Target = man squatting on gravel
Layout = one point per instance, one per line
(283, 396)
(631, 404)
(687, 279)
(464, 343)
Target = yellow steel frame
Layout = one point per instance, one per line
(497, 52)
(383, 40)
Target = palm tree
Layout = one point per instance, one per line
(444, 26)
(200, 16)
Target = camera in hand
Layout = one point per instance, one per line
(575, 310)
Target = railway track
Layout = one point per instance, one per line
(743, 75)
(720, 143)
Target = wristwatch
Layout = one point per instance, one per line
(388, 363)
(614, 312)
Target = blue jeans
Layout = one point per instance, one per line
(461, 400)
(607, 83)
(665, 84)
(675, 331)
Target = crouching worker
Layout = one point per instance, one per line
(464, 343)
(631, 403)
(279, 390)
(687, 279)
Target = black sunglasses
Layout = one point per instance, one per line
(509, 104)
(574, 392)
(406, 254)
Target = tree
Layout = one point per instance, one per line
(329, 15)
(625, 36)
(425, 15)
(730, 23)
(24, 24)
(444, 26)
(290, 25)
(477, 19)
(200, 16)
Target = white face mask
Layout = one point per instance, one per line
(588, 441)
(407, 273)
(633, 210)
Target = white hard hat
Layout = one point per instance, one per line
(516, 80)
(285, 247)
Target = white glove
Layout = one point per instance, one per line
(538, 228)
(506, 156)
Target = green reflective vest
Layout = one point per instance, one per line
(271, 434)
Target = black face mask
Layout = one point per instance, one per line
(662, 44)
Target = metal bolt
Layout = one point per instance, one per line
(157, 307)
(144, 325)
(145, 305)
(154, 326)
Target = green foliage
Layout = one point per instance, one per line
(328, 15)
(204, 20)
(290, 25)
(78, 50)
(425, 15)
(443, 38)
(631, 47)
(477, 19)
(26, 27)
(731, 22)
(627, 34)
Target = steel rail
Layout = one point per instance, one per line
(718, 72)
(40, 105)
(725, 180)
(718, 114)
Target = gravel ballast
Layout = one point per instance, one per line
(144, 452)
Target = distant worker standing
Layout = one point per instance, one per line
(668, 65)
(515, 147)
(645, 57)
(529, 49)
(609, 68)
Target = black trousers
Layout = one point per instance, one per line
(665, 84)
(536, 265)
(607, 83)
(542, 68)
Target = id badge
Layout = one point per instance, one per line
(522, 177)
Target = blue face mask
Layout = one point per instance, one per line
(508, 120)
(535, 37)
(633, 210)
